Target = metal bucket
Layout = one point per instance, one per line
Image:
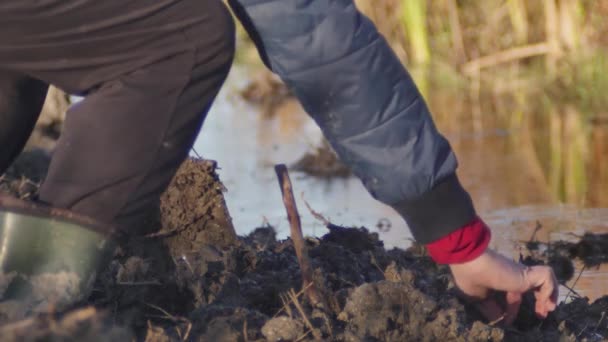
(48, 257)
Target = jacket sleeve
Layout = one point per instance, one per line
(352, 84)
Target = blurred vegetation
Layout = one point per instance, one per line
(539, 68)
(555, 47)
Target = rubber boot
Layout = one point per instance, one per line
(50, 257)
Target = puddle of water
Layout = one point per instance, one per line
(247, 146)
(516, 176)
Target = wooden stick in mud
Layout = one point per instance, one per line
(296, 234)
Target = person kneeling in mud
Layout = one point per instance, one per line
(149, 71)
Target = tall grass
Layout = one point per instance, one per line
(486, 27)
(559, 47)
(514, 39)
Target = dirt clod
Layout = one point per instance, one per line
(193, 210)
(282, 328)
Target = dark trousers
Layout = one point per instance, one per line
(122, 144)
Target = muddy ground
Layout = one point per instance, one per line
(191, 278)
(194, 279)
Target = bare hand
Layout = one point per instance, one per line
(491, 271)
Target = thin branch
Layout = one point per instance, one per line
(456, 29)
(506, 56)
(286, 301)
(196, 153)
(316, 215)
(575, 281)
(295, 301)
(138, 283)
(174, 319)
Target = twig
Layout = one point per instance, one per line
(166, 233)
(599, 322)
(138, 283)
(509, 55)
(185, 259)
(496, 321)
(303, 336)
(168, 315)
(188, 330)
(583, 330)
(574, 292)
(296, 234)
(174, 319)
(295, 301)
(456, 29)
(196, 153)
(245, 336)
(536, 229)
(316, 215)
(575, 281)
(375, 263)
(285, 299)
(163, 234)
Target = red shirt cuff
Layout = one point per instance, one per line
(462, 245)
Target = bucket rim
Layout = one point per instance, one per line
(14, 205)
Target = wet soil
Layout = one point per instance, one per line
(323, 162)
(268, 92)
(196, 280)
(590, 249)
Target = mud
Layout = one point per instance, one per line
(22, 179)
(193, 210)
(56, 289)
(196, 280)
(268, 92)
(591, 249)
(45, 292)
(86, 324)
(322, 162)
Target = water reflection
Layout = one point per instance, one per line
(548, 165)
(247, 146)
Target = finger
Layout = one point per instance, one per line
(546, 292)
(551, 304)
(555, 294)
(513, 302)
(543, 279)
(545, 304)
(541, 309)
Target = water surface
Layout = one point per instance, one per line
(548, 166)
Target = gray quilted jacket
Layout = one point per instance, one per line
(350, 81)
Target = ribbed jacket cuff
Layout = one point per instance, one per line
(462, 245)
(445, 208)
